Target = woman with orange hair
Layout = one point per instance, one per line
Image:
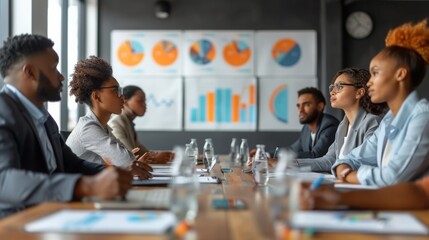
(398, 151)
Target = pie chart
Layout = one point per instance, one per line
(130, 53)
(279, 103)
(286, 52)
(202, 52)
(237, 53)
(165, 53)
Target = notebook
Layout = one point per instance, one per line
(140, 199)
(167, 180)
(104, 221)
(358, 221)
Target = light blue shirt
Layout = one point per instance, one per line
(39, 117)
(408, 133)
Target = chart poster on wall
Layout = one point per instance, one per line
(146, 53)
(227, 104)
(224, 53)
(278, 99)
(286, 53)
(163, 103)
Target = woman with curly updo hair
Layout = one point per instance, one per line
(398, 151)
(92, 139)
(350, 94)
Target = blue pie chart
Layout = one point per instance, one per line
(278, 103)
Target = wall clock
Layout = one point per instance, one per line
(359, 24)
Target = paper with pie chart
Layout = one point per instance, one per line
(227, 104)
(287, 53)
(278, 98)
(225, 53)
(163, 98)
(146, 53)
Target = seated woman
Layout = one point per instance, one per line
(349, 93)
(398, 151)
(123, 127)
(93, 84)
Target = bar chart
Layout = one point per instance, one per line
(225, 107)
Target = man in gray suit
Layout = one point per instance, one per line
(35, 163)
(319, 128)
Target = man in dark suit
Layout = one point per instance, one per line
(35, 163)
(318, 132)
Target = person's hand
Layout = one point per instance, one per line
(252, 152)
(324, 197)
(157, 157)
(272, 162)
(108, 184)
(249, 162)
(136, 151)
(141, 170)
(342, 171)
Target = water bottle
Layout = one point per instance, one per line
(184, 186)
(208, 153)
(190, 156)
(260, 166)
(244, 152)
(195, 147)
(234, 152)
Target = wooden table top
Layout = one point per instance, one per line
(255, 222)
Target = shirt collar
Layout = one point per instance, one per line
(38, 114)
(394, 124)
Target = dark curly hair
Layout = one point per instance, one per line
(360, 77)
(89, 74)
(18, 47)
(130, 91)
(317, 94)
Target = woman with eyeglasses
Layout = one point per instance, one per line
(123, 127)
(398, 151)
(92, 139)
(349, 93)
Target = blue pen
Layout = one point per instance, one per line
(317, 182)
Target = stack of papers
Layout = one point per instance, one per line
(90, 221)
(369, 222)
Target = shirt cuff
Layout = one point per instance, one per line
(362, 175)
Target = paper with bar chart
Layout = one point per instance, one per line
(146, 53)
(226, 53)
(278, 98)
(227, 104)
(163, 103)
(286, 53)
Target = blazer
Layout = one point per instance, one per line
(325, 135)
(123, 129)
(24, 175)
(91, 141)
(363, 127)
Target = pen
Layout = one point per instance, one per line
(275, 152)
(317, 182)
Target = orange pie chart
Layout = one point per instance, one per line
(165, 53)
(130, 53)
(236, 53)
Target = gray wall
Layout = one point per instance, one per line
(335, 48)
(386, 15)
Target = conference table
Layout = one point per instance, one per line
(254, 222)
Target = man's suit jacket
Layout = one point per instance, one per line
(362, 127)
(123, 130)
(24, 175)
(325, 135)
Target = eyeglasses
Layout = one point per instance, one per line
(339, 86)
(118, 90)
